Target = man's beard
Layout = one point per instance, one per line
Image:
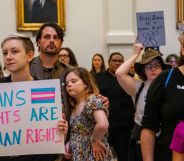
(50, 52)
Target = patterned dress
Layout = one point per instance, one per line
(82, 127)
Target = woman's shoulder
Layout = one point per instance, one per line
(167, 74)
(167, 71)
(161, 81)
(162, 76)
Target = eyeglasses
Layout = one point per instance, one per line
(153, 66)
(64, 56)
(117, 61)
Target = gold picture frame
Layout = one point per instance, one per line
(179, 12)
(25, 15)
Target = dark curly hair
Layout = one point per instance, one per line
(55, 26)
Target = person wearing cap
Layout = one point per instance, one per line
(18, 52)
(164, 109)
(147, 69)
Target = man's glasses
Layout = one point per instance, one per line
(64, 56)
(152, 66)
(117, 61)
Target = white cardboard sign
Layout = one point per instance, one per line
(29, 112)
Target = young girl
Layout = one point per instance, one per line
(177, 144)
(88, 119)
(18, 51)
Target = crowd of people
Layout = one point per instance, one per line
(106, 111)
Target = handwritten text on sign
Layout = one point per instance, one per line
(29, 112)
(151, 29)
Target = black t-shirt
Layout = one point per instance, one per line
(121, 110)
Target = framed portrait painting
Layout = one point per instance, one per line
(31, 14)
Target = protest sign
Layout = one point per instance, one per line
(151, 29)
(29, 112)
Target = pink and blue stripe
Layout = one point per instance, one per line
(42, 95)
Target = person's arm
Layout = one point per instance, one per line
(67, 153)
(101, 128)
(147, 144)
(102, 124)
(127, 82)
(178, 156)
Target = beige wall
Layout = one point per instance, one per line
(87, 26)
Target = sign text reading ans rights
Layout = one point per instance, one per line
(29, 112)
